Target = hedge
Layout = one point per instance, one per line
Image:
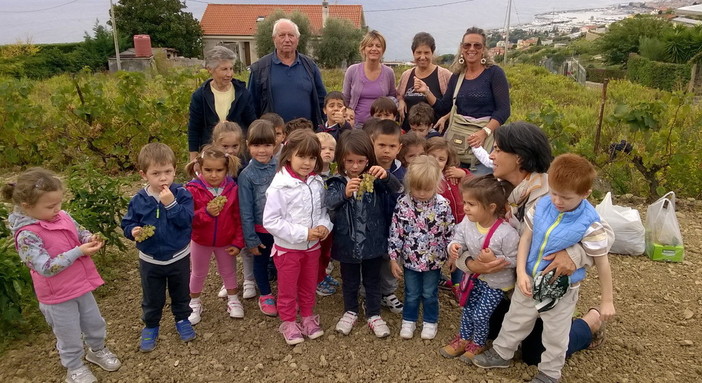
(655, 74)
(600, 74)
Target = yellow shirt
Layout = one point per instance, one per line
(223, 101)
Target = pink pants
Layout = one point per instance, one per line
(200, 264)
(297, 282)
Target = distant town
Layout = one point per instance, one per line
(552, 28)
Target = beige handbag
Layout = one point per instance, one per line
(460, 127)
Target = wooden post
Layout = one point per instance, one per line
(598, 132)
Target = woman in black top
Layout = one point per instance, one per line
(436, 77)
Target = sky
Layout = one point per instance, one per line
(54, 21)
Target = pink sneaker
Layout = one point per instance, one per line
(267, 305)
(291, 332)
(311, 327)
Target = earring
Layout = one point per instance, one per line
(461, 60)
(483, 61)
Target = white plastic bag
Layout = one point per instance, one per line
(629, 233)
(662, 223)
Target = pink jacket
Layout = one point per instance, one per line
(58, 238)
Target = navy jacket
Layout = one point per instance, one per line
(173, 222)
(361, 226)
(260, 86)
(203, 116)
(335, 130)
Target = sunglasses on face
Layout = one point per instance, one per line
(477, 46)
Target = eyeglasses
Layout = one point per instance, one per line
(350, 163)
(476, 46)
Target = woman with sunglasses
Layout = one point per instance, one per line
(477, 97)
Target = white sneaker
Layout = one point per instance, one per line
(222, 292)
(234, 307)
(80, 375)
(196, 316)
(407, 329)
(104, 358)
(379, 327)
(429, 330)
(393, 303)
(249, 289)
(345, 324)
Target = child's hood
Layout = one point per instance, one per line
(18, 220)
(283, 179)
(199, 183)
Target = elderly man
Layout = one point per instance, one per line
(287, 82)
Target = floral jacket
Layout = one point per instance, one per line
(420, 232)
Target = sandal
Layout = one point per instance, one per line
(598, 337)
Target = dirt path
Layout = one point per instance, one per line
(656, 336)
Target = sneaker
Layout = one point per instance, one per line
(249, 289)
(330, 280)
(445, 283)
(103, 358)
(325, 289)
(393, 303)
(196, 316)
(379, 327)
(311, 327)
(222, 292)
(472, 350)
(80, 375)
(490, 359)
(234, 307)
(454, 349)
(148, 339)
(429, 330)
(345, 324)
(291, 332)
(543, 378)
(267, 305)
(185, 330)
(407, 329)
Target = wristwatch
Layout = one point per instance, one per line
(488, 131)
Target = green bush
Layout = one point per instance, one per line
(16, 292)
(600, 74)
(97, 202)
(659, 75)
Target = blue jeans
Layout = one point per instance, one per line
(421, 287)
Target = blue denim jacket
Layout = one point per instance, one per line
(253, 182)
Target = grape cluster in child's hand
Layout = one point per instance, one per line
(366, 185)
(146, 232)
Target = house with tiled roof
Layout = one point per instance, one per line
(234, 25)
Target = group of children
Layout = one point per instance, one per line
(384, 204)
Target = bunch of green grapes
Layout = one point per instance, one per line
(366, 185)
(100, 237)
(146, 232)
(333, 168)
(217, 202)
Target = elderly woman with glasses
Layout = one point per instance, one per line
(477, 97)
(221, 98)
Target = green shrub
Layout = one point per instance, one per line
(659, 75)
(97, 202)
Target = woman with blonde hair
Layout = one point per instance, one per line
(370, 79)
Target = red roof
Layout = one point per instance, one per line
(240, 19)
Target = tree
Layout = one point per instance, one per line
(623, 36)
(96, 49)
(164, 20)
(339, 42)
(264, 31)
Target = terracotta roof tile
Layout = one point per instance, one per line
(240, 19)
